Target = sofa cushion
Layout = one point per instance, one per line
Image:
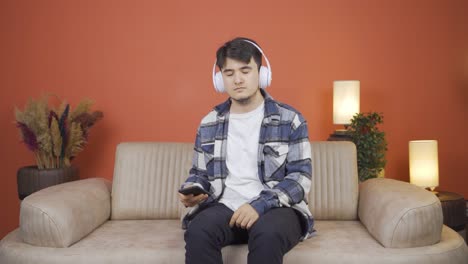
(62, 214)
(334, 189)
(147, 176)
(161, 241)
(399, 214)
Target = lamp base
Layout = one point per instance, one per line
(340, 135)
(341, 132)
(431, 189)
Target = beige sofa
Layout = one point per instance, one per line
(136, 219)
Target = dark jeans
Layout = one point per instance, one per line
(274, 234)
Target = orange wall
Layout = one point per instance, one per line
(147, 65)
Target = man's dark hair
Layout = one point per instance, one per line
(240, 50)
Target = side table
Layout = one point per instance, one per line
(453, 210)
(339, 137)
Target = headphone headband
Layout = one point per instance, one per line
(261, 51)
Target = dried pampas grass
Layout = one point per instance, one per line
(55, 135)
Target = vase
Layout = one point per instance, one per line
(30, 179)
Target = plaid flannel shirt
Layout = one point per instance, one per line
(284, 160)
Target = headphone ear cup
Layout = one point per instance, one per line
(219, 84)
(264, 77)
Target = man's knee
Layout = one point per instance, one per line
(280, 230)
(198, 234)
(207, 227)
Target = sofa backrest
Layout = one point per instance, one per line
(334, 190)
(147, 176)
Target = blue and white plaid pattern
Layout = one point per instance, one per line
(284, 163)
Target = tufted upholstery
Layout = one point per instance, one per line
(334, 190)
(146, 179)
(142, 189)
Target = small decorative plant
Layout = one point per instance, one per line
(370, 144)
(55, 135)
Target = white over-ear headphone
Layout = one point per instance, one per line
(264, 76)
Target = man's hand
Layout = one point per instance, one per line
(244, 217)
(190, 200)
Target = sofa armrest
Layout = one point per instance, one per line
(399, 214)
(60, 215)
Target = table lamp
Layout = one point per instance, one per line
(424, 164)
(345, 104)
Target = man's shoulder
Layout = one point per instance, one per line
(287, 112)
(287, 108)
(209, 118)
(212, 116)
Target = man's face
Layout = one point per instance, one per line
(240, 79)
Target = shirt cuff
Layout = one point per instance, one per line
(262, 205)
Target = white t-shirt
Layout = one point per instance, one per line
(242, 182)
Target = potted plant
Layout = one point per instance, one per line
(55, 135)
(370, 144)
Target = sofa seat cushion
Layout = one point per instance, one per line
(122, 241)
(161, 241)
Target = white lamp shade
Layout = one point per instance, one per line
(345, 101)
(424, 163)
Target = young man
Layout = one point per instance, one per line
(252, 157)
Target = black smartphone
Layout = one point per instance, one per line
(195, 190)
